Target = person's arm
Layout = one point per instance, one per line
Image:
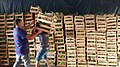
(30, 37)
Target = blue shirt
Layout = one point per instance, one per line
(21, 42)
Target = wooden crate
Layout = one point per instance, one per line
(101, 22)
(2, 27)
(28, 16)
(58, 25)
(92, 64)
(58, 21)
(69, 34)
(90, 22)
(11, 50)
(45, 22)
(91, 56)
(3, 55)
(102, 55)
(51, 56)
(35, 9)
(2, 17)
(61, 58)
(61, 62)
(80, 33)
(10, 24)
(19, 15)
(61, 55)
(60, 47)
(69, 26)
(2, 39)
(118, 35)
(102, 64)
(79, 19)
(111, 23)
(10, 17)
(4, 61)
(80, 41)
(68, 19)
(112, 64)
(71, 62)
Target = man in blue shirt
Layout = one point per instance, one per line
(21, 42)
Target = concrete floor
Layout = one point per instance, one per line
(30, 66)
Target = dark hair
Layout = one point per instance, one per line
(17, 21)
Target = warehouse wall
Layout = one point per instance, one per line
(64, 6)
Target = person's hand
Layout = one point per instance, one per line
(32, 22)
(38, 30)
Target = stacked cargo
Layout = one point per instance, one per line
(101, 40)
(3, 46)
(111, 40)
(80, 40)
(59, 41)
(91, 41)
(70, 41)
(52, 52)
(118, 37)
(45, 22)
(9, 36)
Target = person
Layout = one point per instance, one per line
(21, 42)
(44, 48)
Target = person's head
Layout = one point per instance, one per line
(18, 22)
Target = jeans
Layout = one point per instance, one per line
(24, 58)
(42, 53)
